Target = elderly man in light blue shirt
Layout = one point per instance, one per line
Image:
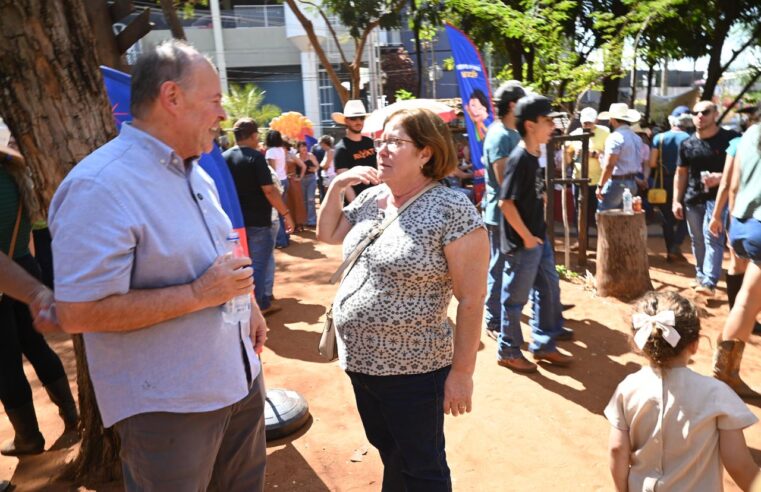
(622, 157)
(141, 269)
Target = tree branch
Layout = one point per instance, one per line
(735, 53)
(309, 29)
(331, 29)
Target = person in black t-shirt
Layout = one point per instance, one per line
(354, 149)
(257, 195)
(701, 161)
(529, 259)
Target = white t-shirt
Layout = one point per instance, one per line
(277, 154)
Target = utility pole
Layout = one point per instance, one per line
(219, 45)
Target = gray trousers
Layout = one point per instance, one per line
(221, 450)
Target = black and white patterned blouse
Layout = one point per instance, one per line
(391, 309)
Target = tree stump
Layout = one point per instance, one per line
(623, 270)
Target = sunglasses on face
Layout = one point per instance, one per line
(392, 142)
(355, 118)
(705, 112)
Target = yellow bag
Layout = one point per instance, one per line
(658, 196)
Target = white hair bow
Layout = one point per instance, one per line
(644, 324)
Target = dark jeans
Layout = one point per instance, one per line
(222, 450)
(282, 239)
(261, 247)
(591, 204)
(17, 337)
(403, 417)
(674, 230)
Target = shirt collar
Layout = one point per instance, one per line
(164, 154)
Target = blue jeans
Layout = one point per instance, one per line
(493, 311)
(403, 417)
(308, 188)
(707, 248)
(530, 272)
(745, 237)
(613, 193)
(269, 270)
(282, 236)
(261, 247)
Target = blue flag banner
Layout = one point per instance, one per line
(118, 88)
(476, 99)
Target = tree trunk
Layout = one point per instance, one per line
(514, 50)
(609, 92)
(55, 103)
(623, 270)
(530, 58)
(102, 29)
(649, 93)
(170, 16)
(715, 69)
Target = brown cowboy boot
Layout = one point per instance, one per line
(726, 367)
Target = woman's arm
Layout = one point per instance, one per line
(722, 195)
(468, 260)
(734, 181)
(620, 458)
(327, 160)
(736, 457)
(332, 226)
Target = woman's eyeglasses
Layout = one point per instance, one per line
(392, 142)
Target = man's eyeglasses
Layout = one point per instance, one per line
(355, 118)
(705, 112)
(392, 142)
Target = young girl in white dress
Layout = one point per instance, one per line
(673, 428)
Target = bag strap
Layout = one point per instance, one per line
(14, 236)
(660, 160)
(348, 263)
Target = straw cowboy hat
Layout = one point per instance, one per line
(10, 154)
(354, 108)
(620, 111)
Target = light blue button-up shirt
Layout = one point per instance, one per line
(625, 144)
(132, 216)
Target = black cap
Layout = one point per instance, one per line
(530, 108)
(508, 92)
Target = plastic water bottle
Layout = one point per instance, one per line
(238, 309)
(628, 201)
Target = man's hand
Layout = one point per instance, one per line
(42, 308)
(458, 391)
(712, 180)
(598, 193)
(226, 278)
(641, 183)
(532, 242)
(678, 211)
(289, 225)
(258, 328)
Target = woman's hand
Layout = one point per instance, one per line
(715, 226)
(458, 390)
(355, 176)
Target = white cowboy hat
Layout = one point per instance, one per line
(353, 108)
(12, 154)
(620, 111)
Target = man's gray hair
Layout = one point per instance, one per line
(171, 60)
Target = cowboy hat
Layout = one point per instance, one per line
(10, 154)
(620, 111)
(353, 109)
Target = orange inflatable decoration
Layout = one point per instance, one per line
(293, 125)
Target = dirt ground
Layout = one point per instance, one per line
(540, 432)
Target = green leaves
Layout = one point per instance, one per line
(247, 101)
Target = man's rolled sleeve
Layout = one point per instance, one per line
(614, 143)
(93, 242)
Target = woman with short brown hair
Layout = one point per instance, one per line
(407, 365)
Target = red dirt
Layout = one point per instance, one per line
(539, 432)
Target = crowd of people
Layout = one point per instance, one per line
(154, 306)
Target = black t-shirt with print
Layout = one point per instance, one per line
(349, 154)
(250, 172)
(703, 155)
(524, 185)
